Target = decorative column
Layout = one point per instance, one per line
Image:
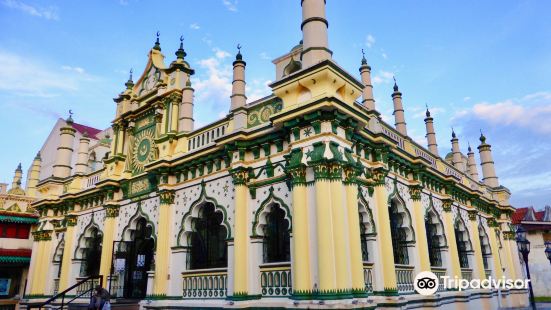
(41, 270)
(341, 240)
(431, 134)
(454, 268)
(68, 251)
(384, 269)
(399, 117)
(300, 264)
(62, 166)
(109, 226)
(367, 92)
(496, 262)
(129, 145)
(241, 234)
(174, 113)
(314, 33)
(120, 139)
(186, 108)
(419, 220)
(355, 247)
(238, 97)
(509, 245)
(34, 176)
(162, 258)
(456, 153)
(324, 228)
(489, 176)
(471, 163)
(82, 157)
(478, 270)
(17, 177)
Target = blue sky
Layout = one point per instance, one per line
(477, 64)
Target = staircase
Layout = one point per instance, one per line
(62, 300)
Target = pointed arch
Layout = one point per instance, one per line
(463, 241)
(485, 247)
(186, 225)
(436, 238)
(265, 207)
(406, 224)
(437, 221)
(87, 233)
(366, 216)
(58, 253)
(132, 223)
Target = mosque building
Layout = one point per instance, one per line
(304, 198)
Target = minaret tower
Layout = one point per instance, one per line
(34, 176)
(17, 177)
(82, 159)
(186, 110)
(367, 93)
(431, 134)
(471, 162)
(62, 166)
(400, 120)
(238, 98)
(456, 152)
(314, 33)
(486, 161)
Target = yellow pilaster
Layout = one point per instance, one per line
(478, 271)
(508, 246)
(42, 267)
(68, 250)
(419, 219)
(162, 258)
(35, 275)
(301, 239)
(174, 116)
(384, 242)
(111, 214)
(455, 267)
(496, 262)
(340, 230)
(121, 138)
(241, 235)
(324, 228)
(355, 254)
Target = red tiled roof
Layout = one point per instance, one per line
(92, 132)
(15, 252)
(539, 215)
(519, 215)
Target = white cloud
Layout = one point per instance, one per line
(74, 69)
(194, 26)
(265, 56)
(231, 5)
(530, 112)
(214, 84)
(369, 40)
(384, 55)
(258, 88)
(383, 77)
(220, 54)
(466, 98)
(49, 13)
(24, 77)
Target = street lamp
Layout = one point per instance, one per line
(548, 250)
(524, 248)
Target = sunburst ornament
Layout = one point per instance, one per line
(143, 150)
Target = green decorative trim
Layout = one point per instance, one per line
(36, 296)
(270, 200)
(156, 296)
(387, 292)
(18, 219)
(378, 176)
(14, 260)
(111, 211)
(447, 204)
(415, 192)
(240, 296)
(240, 175)
(71, 220)
(42, 235)
(324, 295)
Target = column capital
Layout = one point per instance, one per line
(415, 191)
(378, 175)
(447, 204)
(167, 197)
(350, 175)
(71, 220)
(472, 214)
(111, 210)
(492, 222)
(297, 175)
(240, 175)
(42, 235)
(509, 235)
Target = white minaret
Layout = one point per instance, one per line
(456, 152)
(367, 93)
(186, 108)
(62, 166)
(82, 158)
(238, 98)
(486, 161)
(399, 117)
(471, 162)
(34, 176)
(314, 33)
(431, 134)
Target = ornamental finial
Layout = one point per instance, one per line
(239, 56)
(364, 61)
(157, 43)
(395, 85)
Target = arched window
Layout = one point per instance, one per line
(363, 239)
(399, 235)
(277, 240)
(433, 241)
(92, 253)
(462, 242)
(484, 247)
(208, 240)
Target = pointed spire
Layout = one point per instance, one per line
(457, 159)
(314, 33)
(367, 92)
(180, 53)
(129, 84)
(471, 163)
(399, 116)
(453, 134)
(431, 134)
(19, 167)
(38, 156)
(157, 43)
(489, 176)
(428, 112)
(239, 56)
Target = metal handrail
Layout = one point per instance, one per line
(63, 294)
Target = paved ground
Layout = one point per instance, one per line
(539, 306)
